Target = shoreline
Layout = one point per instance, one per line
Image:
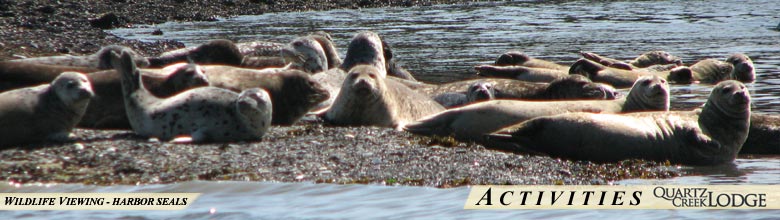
(304, 152)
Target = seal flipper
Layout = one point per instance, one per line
(437, 124)
(585, 67)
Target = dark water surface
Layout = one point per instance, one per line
(443, 43)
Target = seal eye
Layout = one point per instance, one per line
(646, 83)
(70, 85)
(373, 76)
(297, 44)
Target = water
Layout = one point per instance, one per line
(443, 43)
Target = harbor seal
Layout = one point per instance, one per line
(218, 51)
(621, 78)
(46, 112)
(206, 114)
(14, 75)
(763, 136)
(307, 54)
(710, 136)
(471, 122)
(743, 70)
(479, 91)
(522, 73)
(365, 48)
(517, 58)
(644, 60)
(107, 108)
(367, 98)
(569, 87)
(293, 92)
(98, 60)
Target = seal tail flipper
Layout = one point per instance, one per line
(585, 67)
(432, 125)
(506, 142)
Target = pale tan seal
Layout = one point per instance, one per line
(367, 98)
(98, 60)
(206, 114)
(46, 112)
(522, 73)
(471, 122)
(478, 91)
(710, 136)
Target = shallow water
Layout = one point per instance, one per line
(443, 43)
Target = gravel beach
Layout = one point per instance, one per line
(307, 151)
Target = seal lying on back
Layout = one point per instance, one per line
(644, 60)
(98, 60)
(479, 91)
(710, 136)
(43, 112)
(621, 78)
(471, 122)
(366, 98)
(569, 87)
(522, 73)
(206, 114)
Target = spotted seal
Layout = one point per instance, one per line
(206, 114)
(45, 112)
(367, 98)
(710, 136)
(471, 122)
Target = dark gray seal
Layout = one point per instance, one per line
(764, 135)
(46, 112)
(206, 114)
(14, 75)
(710, 136)
(367, 98)
(293, 92)
(220, 51)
